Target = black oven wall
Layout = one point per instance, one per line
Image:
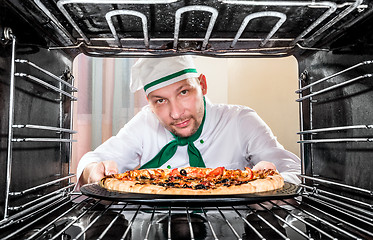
(343, 155)
(37, 154)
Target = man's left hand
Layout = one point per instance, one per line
(264, 165)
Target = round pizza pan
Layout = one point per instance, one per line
(94, 190)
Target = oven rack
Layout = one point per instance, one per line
(74, 216)
(307, 96)
(327, 14)
(60, 131)
(339, 185)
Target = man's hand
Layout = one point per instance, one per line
(264, 165)
(264, 205)
(93, 172)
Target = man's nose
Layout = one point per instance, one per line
(176, 110)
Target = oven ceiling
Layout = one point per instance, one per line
(162, 27)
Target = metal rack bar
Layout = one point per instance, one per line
(219, 53)
(169, 224)
(47, 85)
(282, 19)
(334, 75)
(370, 192)
(303, 221)
(362, 218)
(9, 236)
(111, 223)
(58, 206)
(336, 129)
(144, 21)
(41, 230)
(130, 223)
(47, 73)
(75, 220)
(131, 52)
(285, 222)
(24, 192)
(315, 190)
(182, 10)
(60, 118)
(194, 39)
(150, 225)
(209, 223)
(331, 225)
(336, 140)
(229, 224)
(93, 221)
(71, 126)
(42, 140)
(10, 129)
(33, 202)
(189, 224)
(301, 126)
(335, 86)
(18, 217)
(358, 211)
(249, 224)
(271, 226)
(323, 221)
(31, 126)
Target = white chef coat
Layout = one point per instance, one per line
(233, 137)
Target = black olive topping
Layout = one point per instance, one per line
(225, 180)
(183, 172)
(200, 186)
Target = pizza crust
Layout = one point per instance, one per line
(269, 183)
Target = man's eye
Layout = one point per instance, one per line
(184, 92)
(160, 101)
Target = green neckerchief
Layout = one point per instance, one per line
(195, 157)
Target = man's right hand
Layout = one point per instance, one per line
(94, 172)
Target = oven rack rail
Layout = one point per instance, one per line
(45, 83)
(311, 85)
(334, 184)
(310, 97)
(301, 219)
(12, 127)
(115, 44)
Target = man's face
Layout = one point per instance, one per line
(179, 106)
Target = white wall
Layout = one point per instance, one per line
(266, 85)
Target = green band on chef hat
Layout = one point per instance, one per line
(170, 77)
(154, 73)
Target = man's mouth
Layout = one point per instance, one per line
(182, 124)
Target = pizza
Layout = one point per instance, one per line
(194, 181)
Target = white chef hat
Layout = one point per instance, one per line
(154, 73)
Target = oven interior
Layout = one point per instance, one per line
(332, 41)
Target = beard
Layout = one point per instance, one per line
(196, 123)
(194, 128)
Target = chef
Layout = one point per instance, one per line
(180, 127)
